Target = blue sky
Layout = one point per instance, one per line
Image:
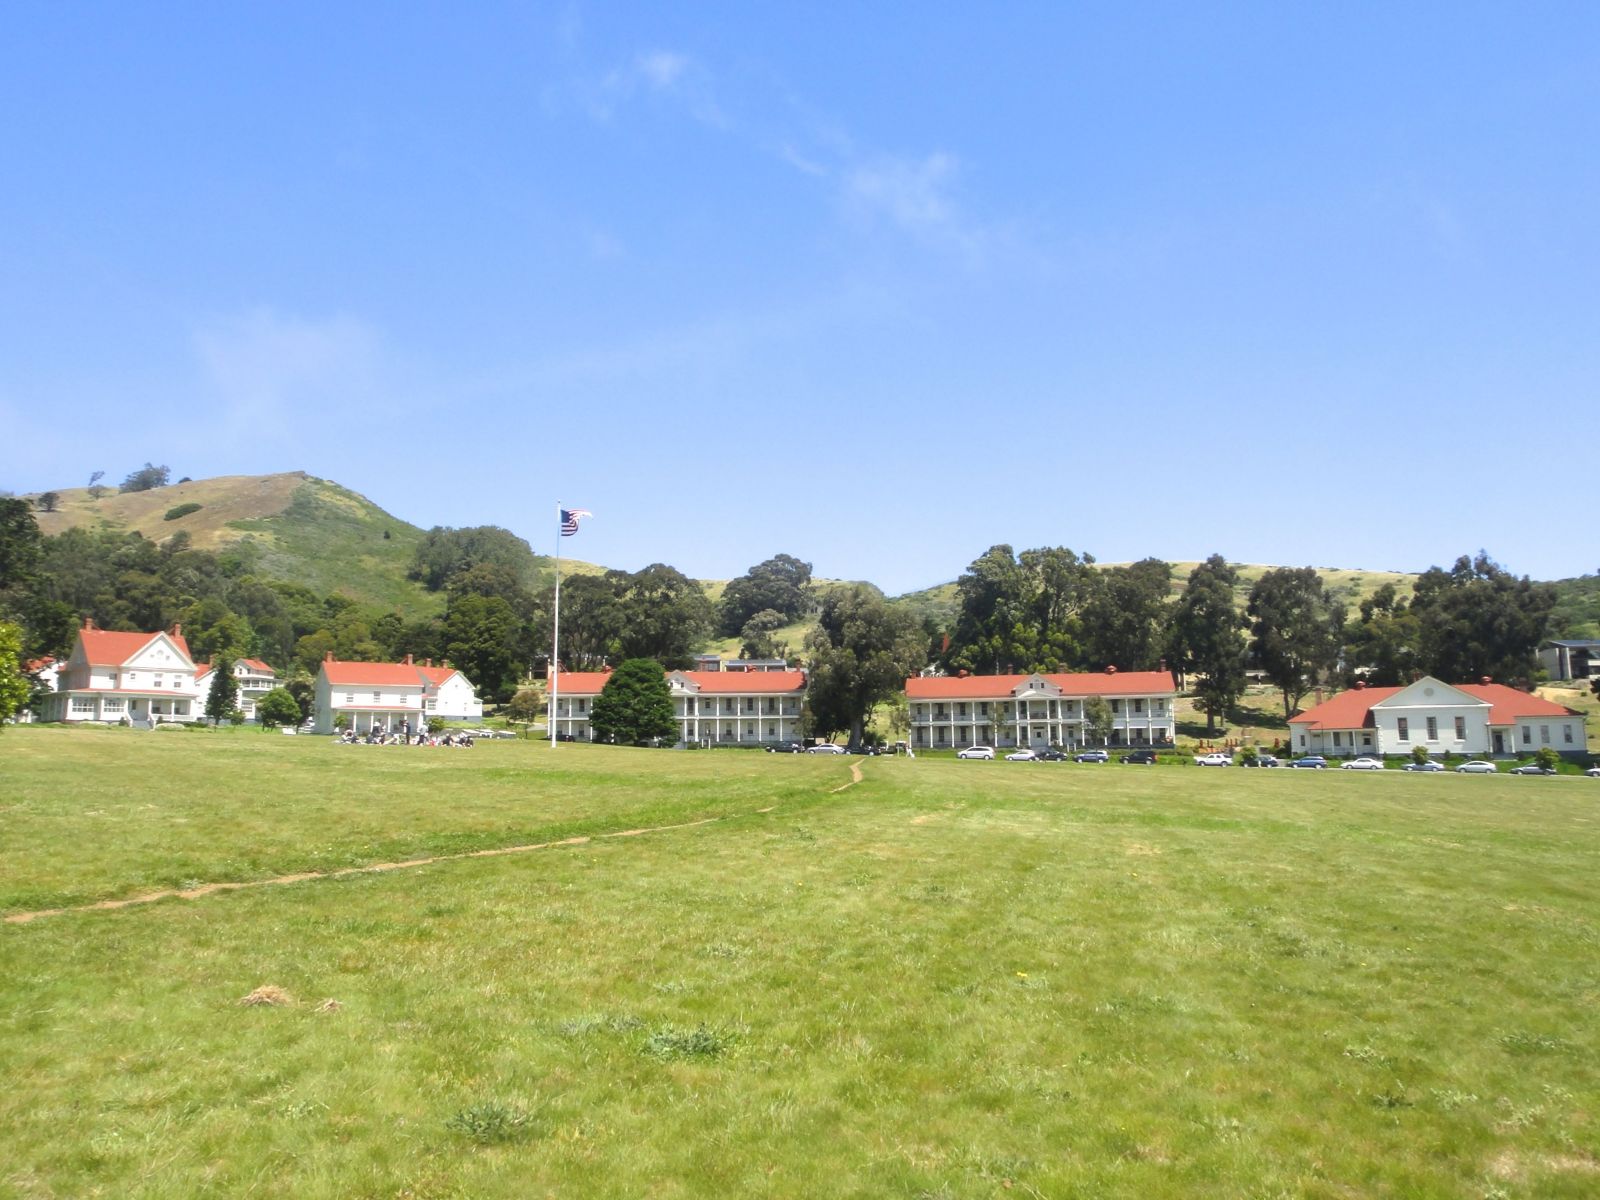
(877, 286)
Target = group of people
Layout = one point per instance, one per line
(404, 737)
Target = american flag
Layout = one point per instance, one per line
(570, 518)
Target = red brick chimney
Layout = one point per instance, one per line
(427, 662)
(1361, 685)
(177, 629)
(1485, 679)
(1111, 668)
(88, 622)
(409, 663)
(962, 673)
(329, 657)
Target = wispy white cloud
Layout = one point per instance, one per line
(661, 68)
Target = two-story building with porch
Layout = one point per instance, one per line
(712, 707)
(1037, 710)
(368, 695)
(449, 694)
(1483, 718)
(111, 675)
(252, 679)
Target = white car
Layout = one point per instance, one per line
(826, 748)
(1593, 772)
(1021, 756)
(976, 752)
(1477, 767)
(1365, 763)
(1216, 759)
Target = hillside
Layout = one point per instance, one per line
(305, 530)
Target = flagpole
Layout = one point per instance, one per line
(555, 645)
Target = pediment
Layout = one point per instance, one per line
(1429, 692)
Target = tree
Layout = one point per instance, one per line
(481, 641)
(47, 501)
(1419, 753)
(1297, 630)
(445, 553)
(1207, 638)
(665, 614)
(1384, 641)
(304, 691)
(525, 706)
(1097, 720)
(862, 651)
(1547, 757)
(15, 687)
(146, 478)
(635, 706)
(756, 636)
(19, 542)
(1126, 615)
(1478, 619)
(278, 707)
(781, 583)
(1021, 612)
(591, 621)
(96, 488)
(223, 697)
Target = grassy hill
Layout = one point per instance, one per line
(306, 530)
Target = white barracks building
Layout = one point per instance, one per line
(1039, 710)
(727, 707)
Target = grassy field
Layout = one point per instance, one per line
(952, 979)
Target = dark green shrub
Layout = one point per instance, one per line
(181, 510)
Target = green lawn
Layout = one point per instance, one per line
(954, 979)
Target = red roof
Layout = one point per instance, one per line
(201, 670)
(745, 683)
(436, 675)
(109, 648)
(1353, 709)
(991, 687)
(371, 674)
(38, 664)
(741, 683)
(255, 664)
(581, 683)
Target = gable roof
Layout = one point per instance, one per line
(744, 683)
(581, 683)
(371, 674)
(1353, 709)
(255, 664)
(201, 670)
(112, 648)
(990, 687)
(437, 676)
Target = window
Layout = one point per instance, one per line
(377, 697)
(1566, 734)
(111, 705)
(1302, 740)
(1138, 706)
(581, 704)
(1433, 729)
(961, 710)
(983, 708)
(1461, 729)
(1544, 735)
(1527, 735)
(1116, 706)
(158, 681)
(82, 704)
(432, 703)
(1336, 740)
(1403, 727)
(349, 697)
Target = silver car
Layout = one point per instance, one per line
(1477, 767)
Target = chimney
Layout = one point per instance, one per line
(1486, 679)
(1361, 685)
(177, 629)
(1163, 664)
(329, 657)
(1111, 668)
(409, 663)
(962, 673)
(88, 622)
(427, 662)
(1318, 694)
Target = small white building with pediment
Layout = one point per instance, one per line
(1039, 709)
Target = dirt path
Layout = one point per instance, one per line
(209, 889)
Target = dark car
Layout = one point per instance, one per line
(1311, 761)
(1143, 758)
(786, 748)
(1092, 756)
(1531, 769)
(1261, 760)
(1050, 755)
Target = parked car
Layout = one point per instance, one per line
(1141, 758)
(1092, 756)
(826, 748)
(1531, 769)
(785, 748)
(1365, 763)
(1261, 760)
(1426, 764)
(1477, 767)
(976, 752)
(1593, 772)
(1215, 759)
(1313, 762)
(1023, 755)
(1050, 755)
